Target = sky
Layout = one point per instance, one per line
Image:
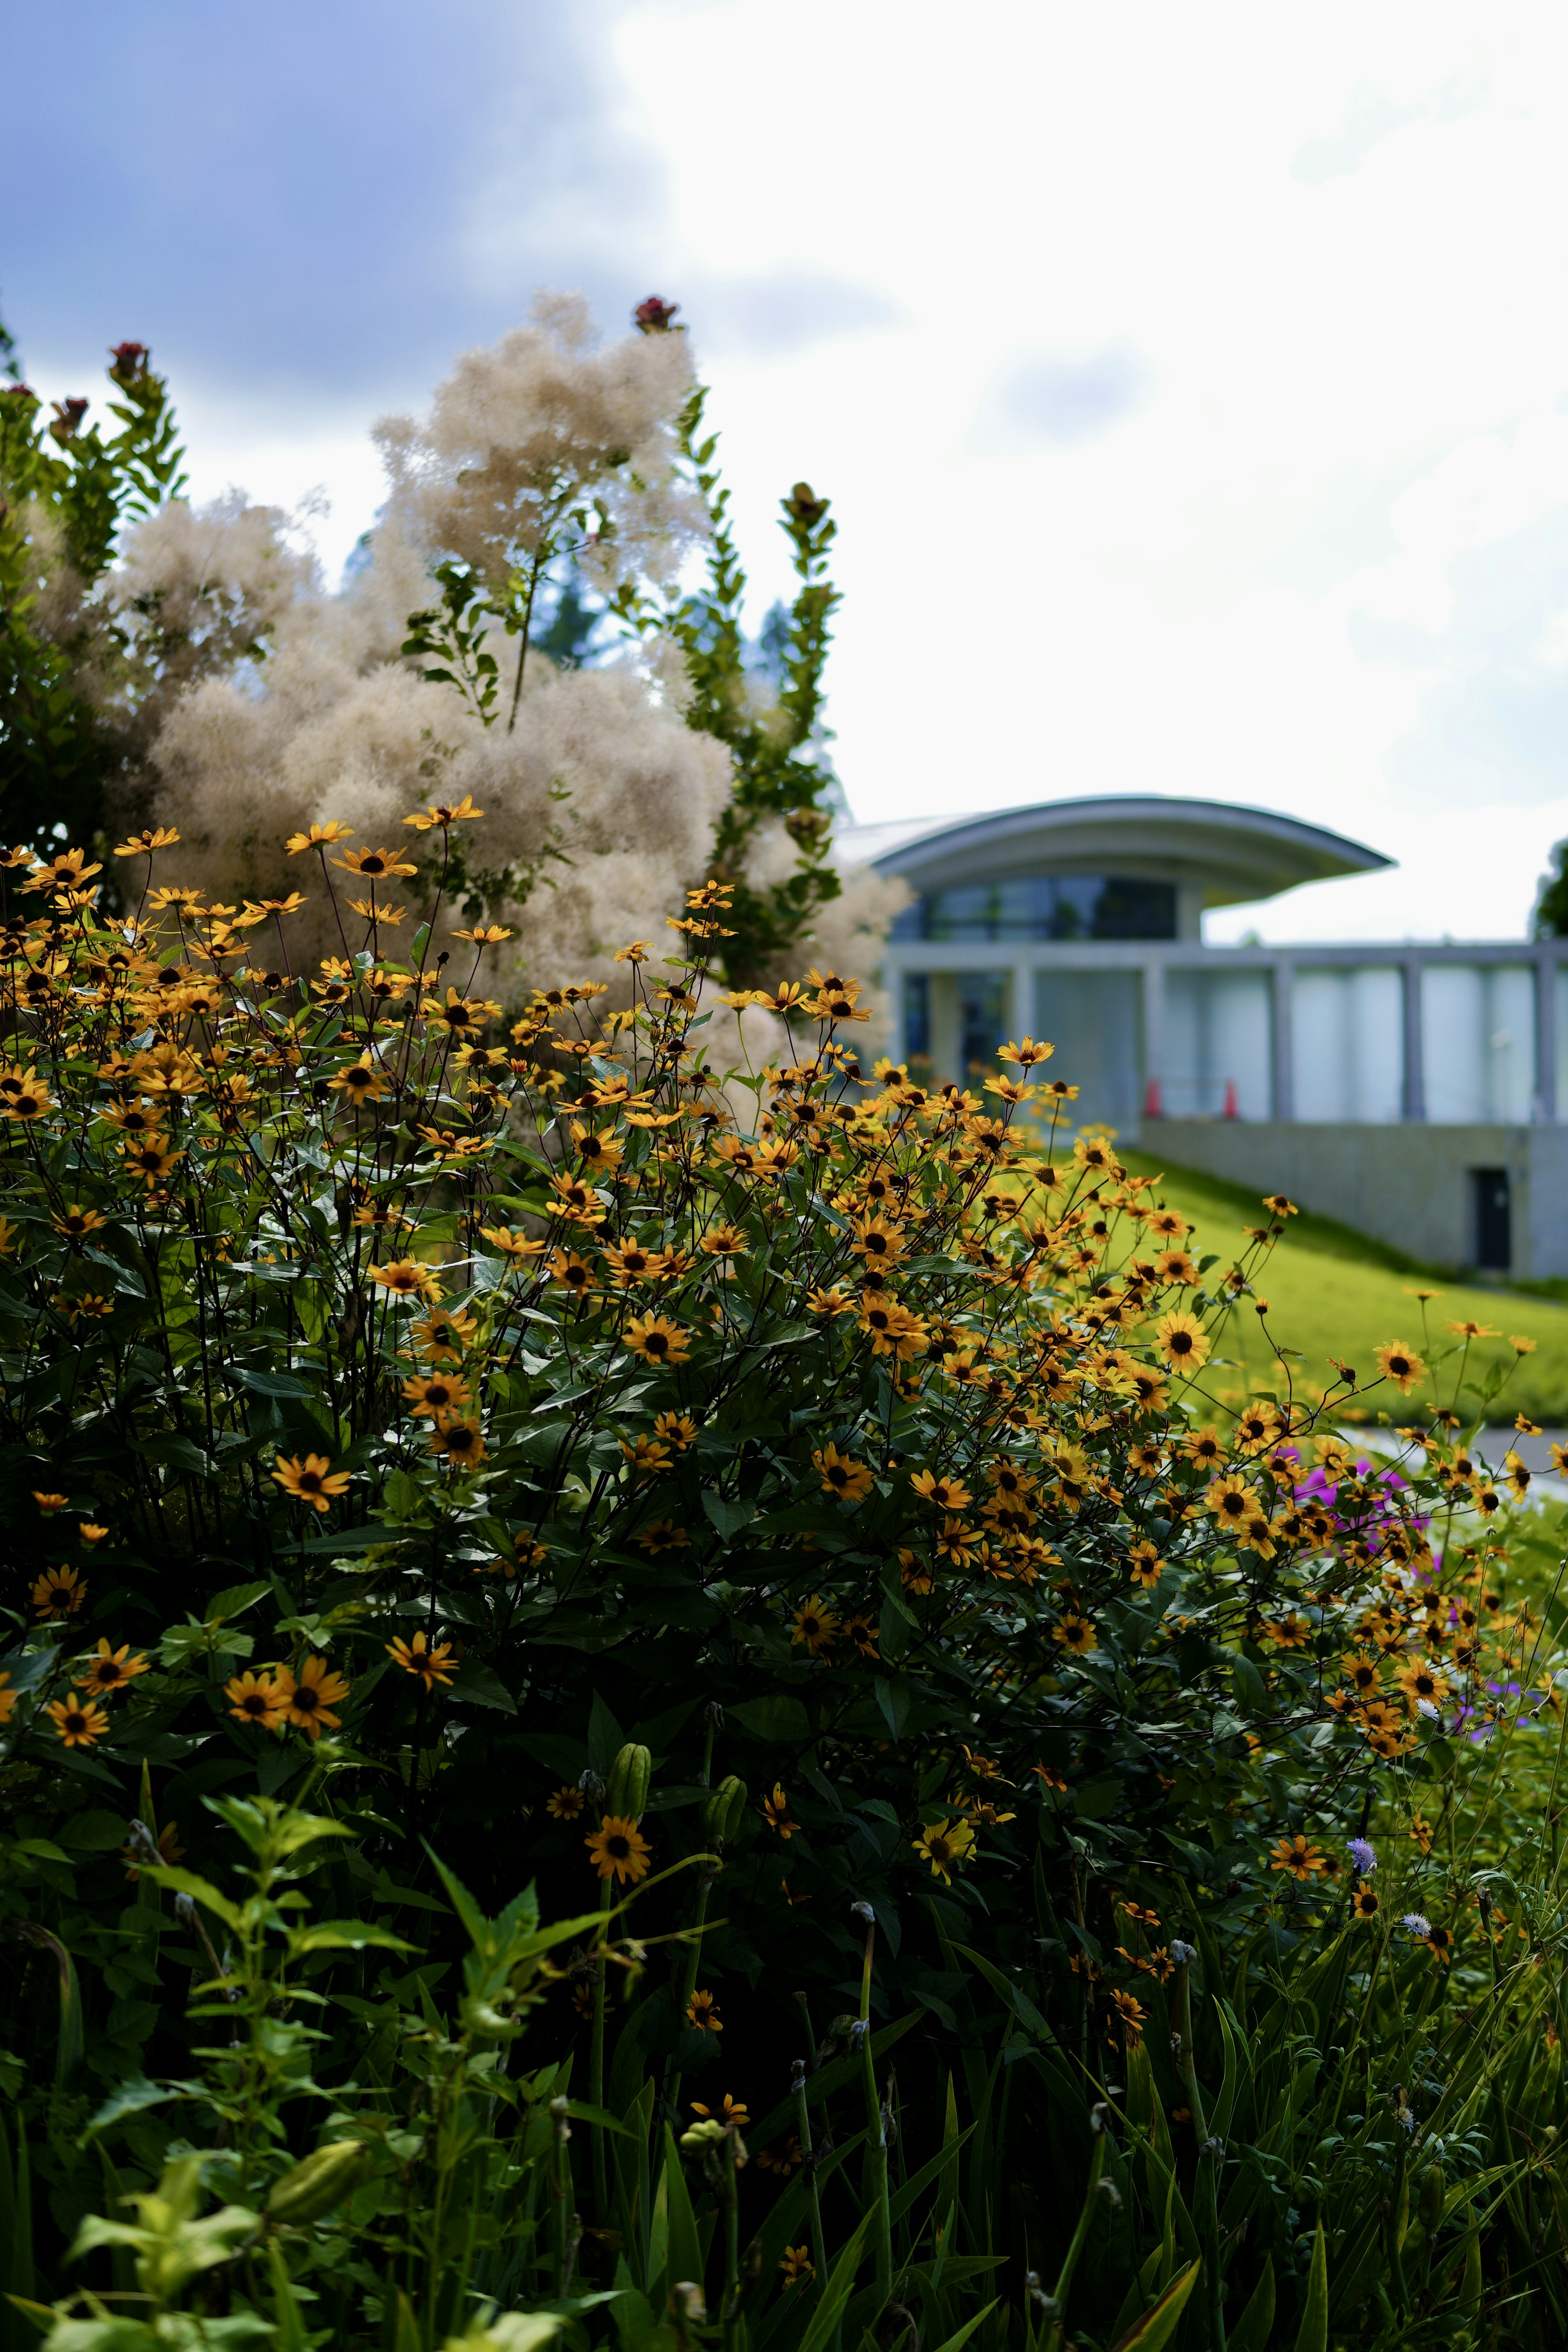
(1191, 385)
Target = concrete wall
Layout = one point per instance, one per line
(1408, 1185)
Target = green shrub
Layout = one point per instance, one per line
(494, 1444)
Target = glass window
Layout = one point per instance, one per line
(1218, 1051)
(1477, 1044)
(917, 1015)
(1348, 1024)
(1044, 906)
(1094, 1019)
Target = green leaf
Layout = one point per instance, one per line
(270, 1384)
(835, 2293)
(1158, 2325)
(232, 1601)
(726, 1515)
(778, 1719)
(479, 1685)
(345, 1936)
(202, 1890)
(133, 2096)
(94, 1832)
(1313, 2333)
(963, 2333)
(1252, 2330)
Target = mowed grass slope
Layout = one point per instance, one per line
(1332, 1292)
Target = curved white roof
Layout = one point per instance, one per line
(1233, 855)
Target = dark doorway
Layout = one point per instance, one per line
(1492, 1219)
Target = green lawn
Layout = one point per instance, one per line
(1333, 1292)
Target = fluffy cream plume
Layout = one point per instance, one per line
(519, 434)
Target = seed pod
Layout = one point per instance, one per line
(314, 2186)
(1430, 2207)
(724, 1812)
(625, 1793)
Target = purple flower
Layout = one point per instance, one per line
(1417, 1924)
(1364, 1854)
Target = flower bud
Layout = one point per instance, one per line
(724, 1812)
(625, 1792)
(311, 2187)
(1430, 2207)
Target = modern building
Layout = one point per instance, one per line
(1419, 1093)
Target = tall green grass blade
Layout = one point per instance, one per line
(1252, 2330)
(1157, 2326)
(1313, 2333)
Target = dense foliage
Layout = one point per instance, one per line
(769, 1524)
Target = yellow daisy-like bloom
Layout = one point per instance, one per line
(312, 1481)
(1419, 1682)
(1364, 1903)
(444, 813)
(724, 1241)
(646, 1456)
(655, 1340)
(109, 1670)
(320, 836)
(517, 1246)
(144, 844)
(943, 1494)
(78, 1720)
(1232, 1501)
(945, 1844)
(1181, 1340)
(457, 1439)
(565, 1803)
(850, 1480)
(443, 1336)
(1075, 1633)
(58, 1592)
(417, 1657)
(7, 1699)
(374, 864)
(702, 2011)
(76, 1222)
(256, 1698)
(1297, 1855)
(815, 1626)
(309, 1698)
(733, 2111)
(662, 1535)
(618, 1850)
(1402, 1365)
(1132, 2014)
(676, 1429)
(405, 1277)
(796, 2263)
(574, 1272)
(1145, 1565)
(777, 1815)
(436, 1393)
(360, 1082)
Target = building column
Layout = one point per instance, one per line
(1414, 1055)
(1283, 1039)
(1546, 1108)
(1153, 1028)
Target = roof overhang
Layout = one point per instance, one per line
(1232, 854)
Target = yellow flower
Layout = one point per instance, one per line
(76, 1222)
(677, 1429)
(418, 1657)
(1131, 2013)
(945, 1845)
(7, 1699)
(733, 2111)
(78, 1720)
(1402, 1365)
(1301, 1860)
(457, 1439)
(109, 1670)
(777, 1815)
(312, 1481)
(361, 1081)
(511, 1245)
(655, 1340)
(702, 2011)
(851, 1481)
(565, 1803)
(320, 836)
(1075, 1633)
(151, 838)
(257, 1698)
(374, 864)
(944, 1494)
(816, 1625)
(1183, 1341)
(444, 813)
(1145, 1565)
(58, 1592)
(796, 2263)
(309, 1699)
(662, 1535)
(406, 1278)
(618, 1850)
(645, 1455)
(436, 1393)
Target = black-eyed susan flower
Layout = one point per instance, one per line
(943, 1494)
(58, 1592)
(309, 1698)
(256, 1698)
(406, 1279)
(702, 2011)
(435, 1393)
(945, 1844)
(618, 1850)
(732, 2111)
(1075, 1633)
(8, 1698)
(662, 1535)
(655, 1340)
(313, 1481)
(1145, 1565)
(76, 1222)
(458, 1438)
(1364, 1903)
(78, 1720)
(644, 1457)
(1181, 1340)
(1130, 2014)
(862, 1629)
(432, 1665)
(574, 1272)
(565, 1803)
(796, 2263)
(374, 864)
(514, 1246)
(443, 1334)
(359, 1082)
(777, 1815)
(1233, 1502)
(319, 836)
(674, 1429)
(815, 1626)
(105, 1669)
(841, 1475)
(723, 1242)
(1298, 1858)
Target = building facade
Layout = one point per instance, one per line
(1417, 1092)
